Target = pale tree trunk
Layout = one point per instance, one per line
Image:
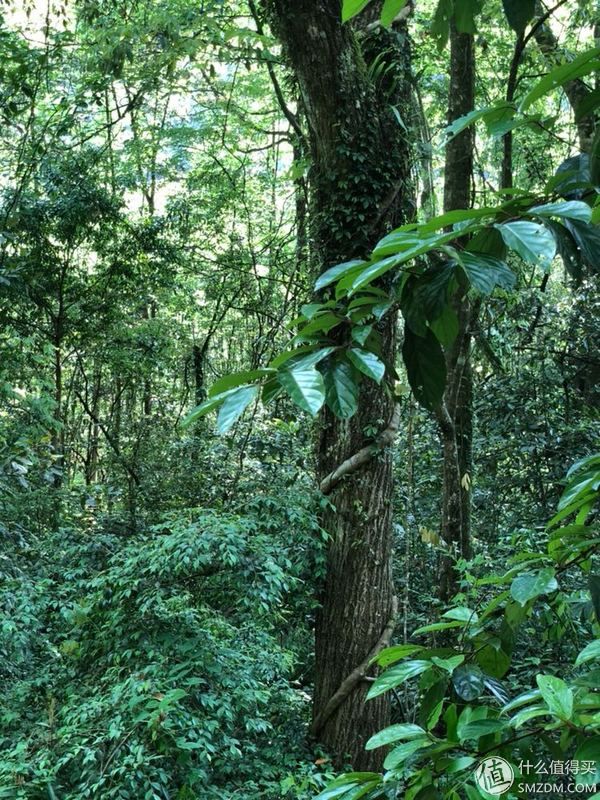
(455, 415)
(359, 185)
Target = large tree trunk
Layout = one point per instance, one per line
(359, 186)
(456, 414)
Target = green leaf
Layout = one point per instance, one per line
(448, 664)
(519, 13)
(445, 327)
(339, 786)
(234, 406)
(582, 65)
(486, 272)
(305, 386)
(367, 363)
(390, 10)
(589, 653)
(395, 733)
(205, 407)
(534, 243)
(395, 676)
(361, 333)
(587, 238)
(425, 366)
(570, 209)
(468, 682)
(237, 379)
(558, 696)
(530, 585)
(399, 754)
(482, 727)
(335, 273)
(464, 15)
(440, 25)
(350, 8)
(341, 390)
(392, 654)
(439, 626)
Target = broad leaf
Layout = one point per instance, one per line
(534, 243)
(519, 13)
(305, 386)
(350, 8)
(206, 407)
(341, 390)
(530, 585)
(587, 238)
(390, 10)
(486, 272)
(234, 406)
(468, 682)
(395, 676)
(594, 584)
(402, 752)
(237, 379)
(570, 209)
(557, 695)
(395, 733)
(582, 65)
(425, 367)
(335, 273)
(367, 363)
(589, 653)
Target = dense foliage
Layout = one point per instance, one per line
(165, 238)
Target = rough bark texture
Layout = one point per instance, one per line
(359, 186)
(455, 417)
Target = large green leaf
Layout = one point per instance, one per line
(570, 209)
(234, 406)
(390, 10)
(464, 15)
(342, 785)
(305, 386)
(582, 65)
(594, 584)
(399, 754)
(237, 379)
(341, 390)
(350, 8)
(395, 676)
(589, 653)
(486, 272)
(587, 238)
(530, 585)
(558, 696)
(425, 367)
(445, 327)
(468, 682)
(367, 363)
(534, 243)
(519, 13)
(395, 733)
(206, 407)
(336, 272)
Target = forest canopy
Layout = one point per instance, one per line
(299, 461)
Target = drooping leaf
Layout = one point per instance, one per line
(367, 363)
(341, 390)
(395, 676)
(534, 243)
(340, 786)
(440, 25)
(350, 8)
(584, 64)
(237, 379)
(572, 178)
(567, 249)
(587, 238)
(468, 682)
(464, 15)
(425, 367)
(486, 272)
(445, 327)
(530, 585)
(558, 696)
(399, 754)
(519, 13)
(305, 386)
(390, 10)
(234, 406)
(570, 209)
(205, 407)
(594, 584)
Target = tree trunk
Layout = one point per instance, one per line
(359, 186)
(455, 417)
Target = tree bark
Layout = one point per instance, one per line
(359, 185)
(455, 417)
